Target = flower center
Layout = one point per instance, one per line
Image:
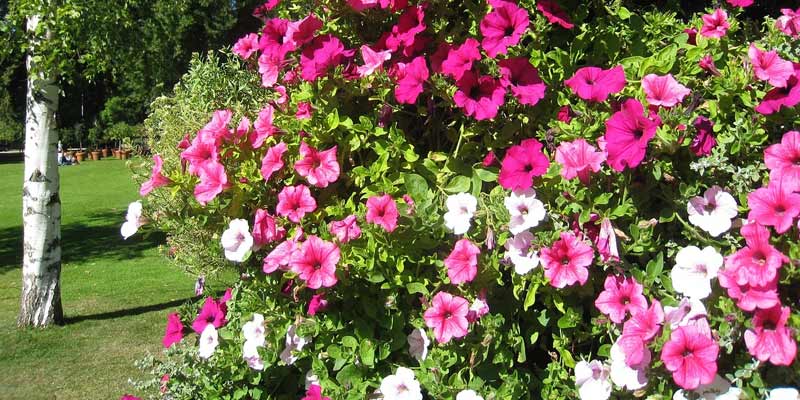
(509, 31)
(687, 353)
(780, 209)
(638, 133)
(625, 300)
(759, 257)
(523, 209)
(447, 314)
(769, 325)
(528, 168)
(565, 260)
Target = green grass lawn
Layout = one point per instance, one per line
(116, 294)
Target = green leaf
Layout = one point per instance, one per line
(486, 175)
(530, 297)
(458, 184)
(349, 342)
(416, 287)
(367, 353)
(349, 376)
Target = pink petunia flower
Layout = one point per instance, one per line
(204, 150)
(692, 32)
(769, 66)
(317, 304)
(216, 130)
(489, 159)
(294, 202)
(503, 27)
(578, 158)
(246, 46)
(789, 22)
(298, 33)
(462, 263)
(783, 160)
(775, 205)
(410, 24)
(373, 60)
(156, 178)
(382, 210)
(314, 392)
(554, 13)
(212, 313)
(323, 53)
(707, 64)
(595, 84)
(273, 36)
(740, 3)
(265, 229)
(174, 330)
(479, 96)
(263, 127)
(447, 316)
(643, 325)
(691, 355)
(748, 297)
(758, 262)
(518, 75)
(621, 296)
(704, 140)
(273, 160)
(269, 66)
(280, 256)
(664, 90)
(361, 5)
(715, 25)
(460, 58)
(213, 181)
(304, 110)
(788, 96)
(606, 242)
(628, 133)
(770, 339)
(320, 168)
(566, 260)
(521, 164)
(346, 229)
(315, 262)
(410, 78)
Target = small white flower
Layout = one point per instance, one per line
(687, 311)
(694, 269)
(311, 379)
(460, 210)
(521, 254)
(591, 378)
(133, 220)
(784, 393)
(713, 211)
(209, 340)
(468, 395)
(254, 330)
(294, 342)
(403, 385)
(418, 344)
(625, 376)
(526, 211)
(237, 240)
(719, 389)
(250, 354)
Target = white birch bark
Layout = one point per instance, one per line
(40, 302)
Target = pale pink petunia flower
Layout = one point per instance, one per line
(294, 202)
(769, 66)
(315, 262)
(579, 159)
(280, 256)
(592, 380)
(447, 315)
(273, 160)
(664, 90)
(621, 296)
(213, 181)
(630, 377)
(269, 66)
(346, 229)
(246, 46)
(566, 260)
(157, 179)
(373, 60)
(715, 25)
(691, 355)
(607, 242)
(237, 240)
(462, 263)
(382, 211)
(713, 211)
(320, 168)
(770, 339)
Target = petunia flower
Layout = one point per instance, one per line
(783, 160)
(382, 211)
(273, 38)
(298, 33)
(713, 211)
(748, 297)
(521, 164)
(769, 66)
(663, 91)
(775, 205)
(566, 260)
(270, 66)
(409, 25)
(628, 132)
(410, 78)
(403, 385)
(212, 313)
(273, 160)
(579, 159)
(213, 181)
(554, 13)
(133, 220)
(685, 313)
(770, 339)
(715, 25)
(704, 140)
(718, 389)
(460, 210)
(503, 27)
(263, 128)
(156, 178)
(204, 150)
(525, 209)
(592, 380)
(740, 3)
(621, 296)
(521, 253)
(783, 393)
(447, 315)
(320, 168)
(789, 22)
(317, 304)
(625, 376)
(758, 262)
(237, 240)
(595, 84)
(373, 60)
(522, 79)
(324, 52)
(315, 262)
(462, 263)
(314, 392)
(460, 58)
(246, 46)
(265, 229)
(209, 340)
(694, 269)
(418, 344)
(468, 394)
(294, 202)
(174, 330)
(346, 229)
(777, 98)
(294, 343)
(479, 96)
(691, 355)
(606, 242)
(707, 64)
(304, 110)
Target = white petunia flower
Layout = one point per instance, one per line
(250, 354)
(418, 344)
(688, 310)
(311, 379)
(719, 389)
(591, 378)
(526, 211)
(521, 254)
(237, 240)
(468, 395)
(209, 340)
(460, 210)
(694, 269)
(254, 330)
(403, 385)
(713, 211)
(133, 220)
(294, 342)
(784, 393)
(625, 376)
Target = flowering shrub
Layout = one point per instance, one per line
(466, 200)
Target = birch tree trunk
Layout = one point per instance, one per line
(40, 302)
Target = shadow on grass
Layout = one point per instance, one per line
(126, 312)
(11, 157)
(95, 237)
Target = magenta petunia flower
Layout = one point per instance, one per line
(518, 75)
(770, 339)
(174, 330)
(748, 297)
(263, 128)
(691, 355)
(280, 256)
(788, 96)
(707, 64)
(692, 32)
(304, 110)
(595, 84)
(213, 181)
(320, 168)
(265, 229)
(628, 133)
(314, 392)
(346, 229)
(664, 90)
(204, 150)
(246, 46)
(460, 58)
(273, 160)
(521, 164)
(294, 202)
(704, 140)
(409, 25)
(566, 260)
(323, 53)
(382, 210)
(789, 22)
(503, 27)
(317, 304)
(775, 205)
(298, 33)
(479, 97)
(740, 3)
(578, 158)
(769, 66)
(213, 313)
(758, 262)
(783, 160)
(447, 315)
(715, 25)
(156, 178)
(315, 262)
(554, 13)
(462, 263)
(565, 114)
(645, 324)
(273, 38)
(361, 5)
(410, 78)
(621, 296)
